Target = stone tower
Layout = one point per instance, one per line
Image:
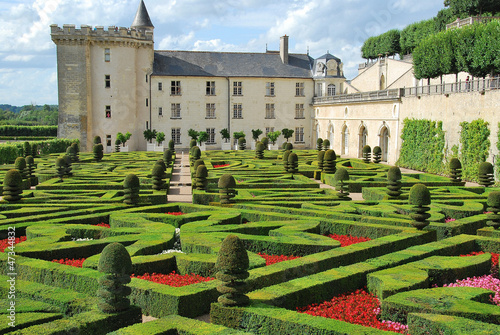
(104, 80)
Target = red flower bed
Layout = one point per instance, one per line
(494, 261)
(346, 240)
(174, 279)
(220, 166)
(175, 213)
(271, 259)
(71, 262)
(4, 244)
(359, 307)
(102, 224)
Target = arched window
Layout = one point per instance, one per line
(330, 135)
(382, 82)
(363, 133)
(345, 140)
(384, 143)
(331, 90)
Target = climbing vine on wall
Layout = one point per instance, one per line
(475, 144)
(423, 146)
(498, 147)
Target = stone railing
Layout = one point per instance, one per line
(392, 94)
(470, 20)
(477, 85)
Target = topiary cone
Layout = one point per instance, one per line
(485, 174)
(232, 265)
(377, 154)
(201, 177)
(367, 152)
(259, 150)
(61, 167)
(394, 182)
(293, 163)
(285, 159)
(455, 170)
(319, 144)
(131, 187)
(329, 162)
(12, 186)
(158, 175)
(420, 198)
(116, 264)
(98, 151)
(493, 207)
(242, 143)
(226, 186)
(341, 176)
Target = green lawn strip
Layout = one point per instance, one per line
(26, 319)
(427, 323)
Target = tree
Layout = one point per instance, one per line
(256, 133)
(273, 136)
(465, 8)
(287, 133)
(203, 137)
(149, 135)
(193, 134)
(225, 135)
(160, 137)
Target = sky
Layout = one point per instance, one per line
(28, 56)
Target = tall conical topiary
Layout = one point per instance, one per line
(285, 159)
(195, 155)
(61, 167)
(167, 157)
(20, 165)
(288, 146)
(259, 150)
(201, 177)
(70, 151)
(76, 151)
(26, 149)
(30, 162)
(232, 269)
(326, 144)
(485, 174)
(455, 170)
(329, 162)
(493, 207)
(394, 182)
(131, 187)
(117, 145)
(12, 186)
(265, 141)
(116, 264)
(320, 159)
(69, 166)
(377, 154)
(34, 150)
(97, 140)
(293, 163)
(171, 147)
(340, 178)
(158, 176)
(420, 198)
(226, 186)
(98, 151)
(242, 143)
(367, 153)
(192, 143)
(319, 144)
(197, 163)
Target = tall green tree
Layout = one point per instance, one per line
(465, 8)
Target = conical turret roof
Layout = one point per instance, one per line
(142, 19)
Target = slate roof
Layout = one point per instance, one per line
(231, 64)
(142, 19)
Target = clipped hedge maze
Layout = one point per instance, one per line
(275, 213)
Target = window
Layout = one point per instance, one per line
(107, 55)
(210, 88)
(299, 111)
(147, 102)
(160, 86)
(176, 135)
(237, 88)
(160, 111)
(176, 111)
(108, 112)
(107, 81)
(299, 134)
(146, 78)
(237, 111)
(269, 130)
(299, 89)
(270, 89)
(108, 140)
(319, 90)
(270, 111)
(211, 135)
(331, 90)
(175, 88)
(210, 111)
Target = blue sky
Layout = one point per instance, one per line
(28, 56)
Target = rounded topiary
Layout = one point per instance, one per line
(116, 264)
(326, 144)
(329, 162)
(131, 186)
(69, 166)
(242, 143)
(265, 141)
(158, 176)
(320, 159)
(226, 186)
(485, 174)
(201, 177)
(20, 165)
(293, 163)
(117, 145)
(70, 151)
(98, 151)
(12, 185)
(394, 182)
(283, 146)
(319, 144)
(34, 150)
(493, 207)
(195, 155)
(377, 154)
(192, 143)
(171, 146)
(167, 157)
(61, 167)
(340, 178)
(288, 146)
(162, 163)
(420, 198)
(97, 140)
(285, 159)
(197, 163)
(76, 151)
(367, 153)
(455, 170)
(26, 149)
(259, 150)
(232, 269)
(30, 162)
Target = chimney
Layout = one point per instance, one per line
(284, 49)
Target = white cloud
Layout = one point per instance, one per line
(18, 58)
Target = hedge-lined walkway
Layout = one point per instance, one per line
(180, 183)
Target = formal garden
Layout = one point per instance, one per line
(274, 242)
